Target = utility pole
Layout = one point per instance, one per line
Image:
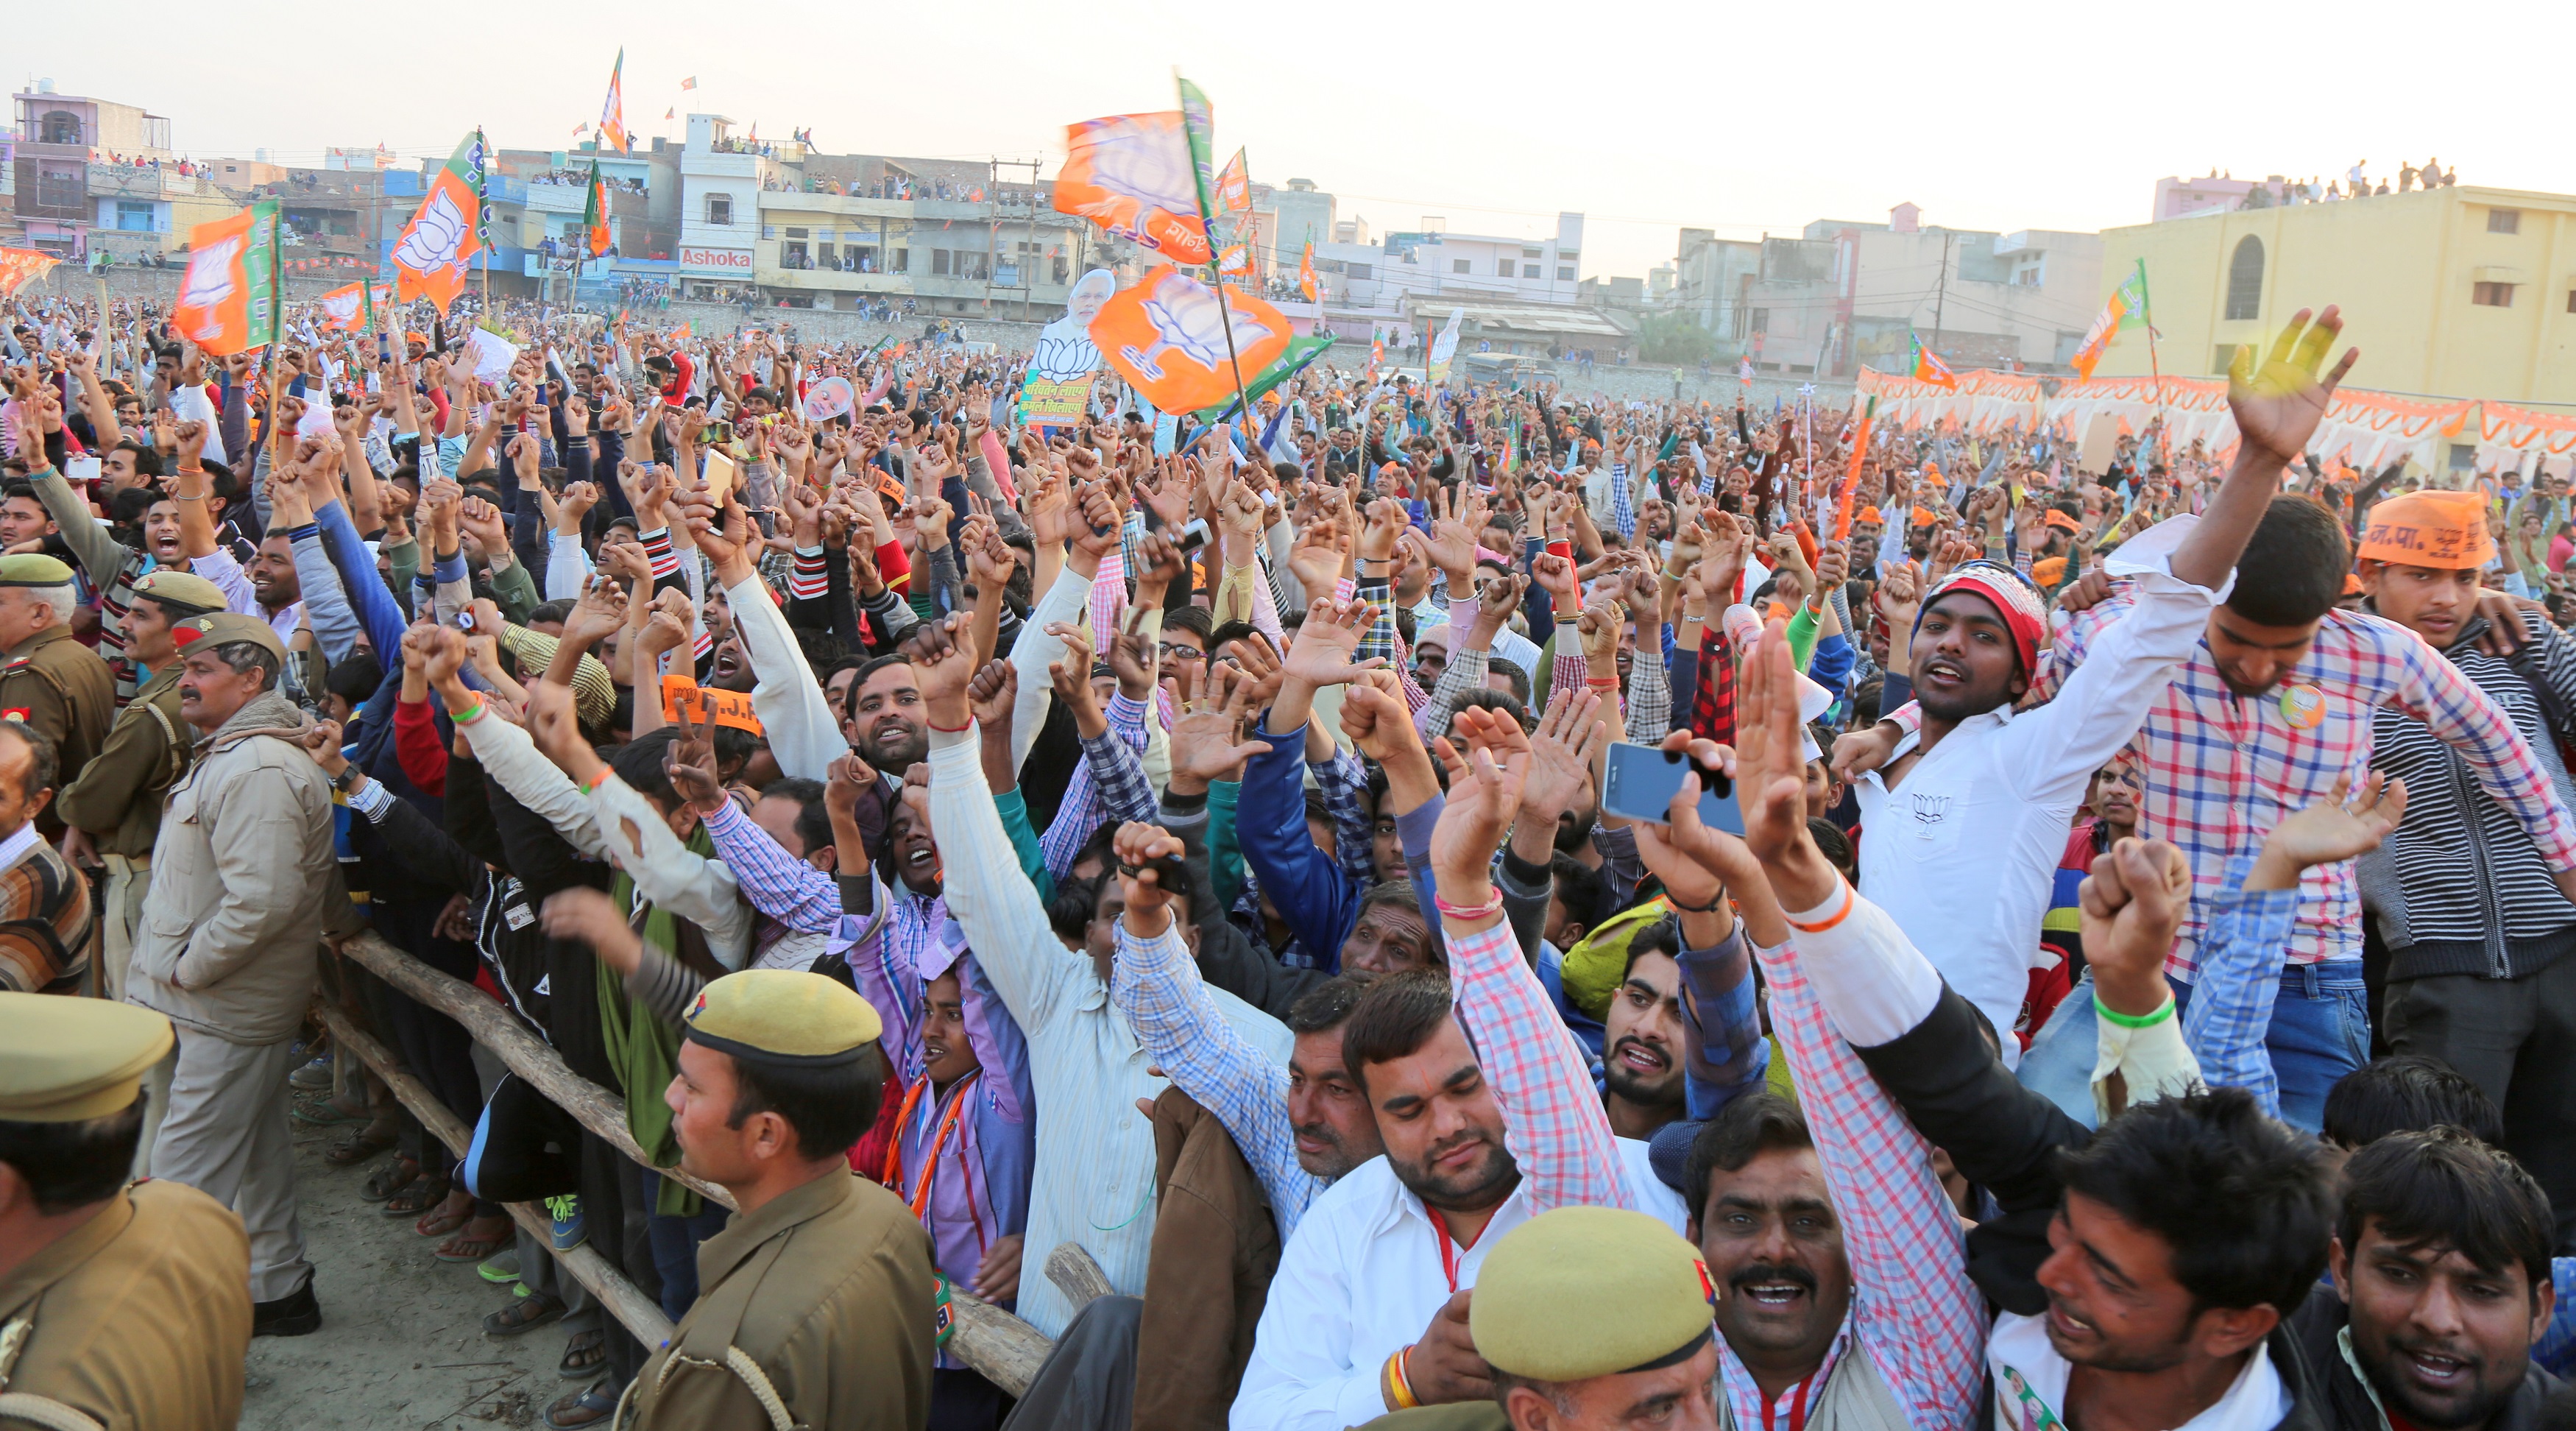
(1941, 302)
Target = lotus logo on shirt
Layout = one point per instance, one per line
(1930, 809)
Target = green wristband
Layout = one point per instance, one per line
(2133, 1021)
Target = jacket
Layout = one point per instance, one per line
(117, 796)
(245, 883)
(1215, 1248)
(2005, 1138)
(2349, 1403)
(826, 1293)
(2460, 888)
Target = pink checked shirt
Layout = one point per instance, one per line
(2223, 769)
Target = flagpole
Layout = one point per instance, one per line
(276, 333)
(2164, 416)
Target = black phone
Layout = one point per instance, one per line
(1639, 782)
(1195, 535)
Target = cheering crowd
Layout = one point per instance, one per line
(1470, 906)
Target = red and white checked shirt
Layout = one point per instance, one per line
(1914, 1312)
(2223, 769)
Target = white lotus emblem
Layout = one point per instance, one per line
(1146, 165)
(435, 235)
(1187, 321)
(210, 274)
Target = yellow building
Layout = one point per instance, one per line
(2452, 293)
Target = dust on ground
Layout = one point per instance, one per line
(402, 1344)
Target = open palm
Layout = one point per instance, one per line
(2278, 406)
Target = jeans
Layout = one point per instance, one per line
(2320, 1032)
(674, 1241)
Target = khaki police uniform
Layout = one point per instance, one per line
(117, 798)
(59, 686)
(832, 1275)
(139, 1318)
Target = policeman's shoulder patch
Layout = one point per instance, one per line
(19, 714)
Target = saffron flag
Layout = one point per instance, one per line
(2127, 308)
(594, 214)
(1130, 174)
(1927, 366)
(1234, 186)
(228, 297)
(1235, 260)
(352, 309)
(1851, 479)
(1169, 337)
(20, 266)
(1307, 283)
(690, 83)
(612, 115)
(429, 258)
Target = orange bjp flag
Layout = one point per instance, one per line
(1132, 175)
(226, 301)
(429, 258)
(1167, 336)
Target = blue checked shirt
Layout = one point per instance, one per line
(1157, 987)
(1103, 788)
(1623, 507)
(2240, 977)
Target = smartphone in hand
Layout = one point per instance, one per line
(1639, 782)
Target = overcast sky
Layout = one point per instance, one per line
(1645, 116)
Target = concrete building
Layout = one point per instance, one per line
(55, 138)
(1512, 270)
(1292, 213)
(1710, 275)
(1844, 295)
(2182, 198)
(721, 181)
(2455, 292)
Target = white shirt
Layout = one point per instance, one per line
(1962, 854)
(1092, 1180)
(2026, 1369)
(1361, 1277)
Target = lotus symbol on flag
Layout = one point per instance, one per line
(1142, 166)
(341, 306)
(1187, 321)
(209, 281)
(434, 237)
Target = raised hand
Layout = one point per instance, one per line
(2278, 406)
(1485, 787)
(2129, 907)
(691, 762)
(1771, 781)
(1321, 654)
(1569, 742)
(943, 661)
(2329, 831)
(1204, 747)
(992, 693)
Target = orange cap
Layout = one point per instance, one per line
(2047, 571)
(2445, 530)
(1924, 517)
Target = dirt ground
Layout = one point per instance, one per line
(402, 1345)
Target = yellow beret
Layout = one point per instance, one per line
(783, 1016)
(182, 592)
(65, 1059)
(34, 569)
(223, 628)
(1581, 1292)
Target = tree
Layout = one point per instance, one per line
(1674, 338)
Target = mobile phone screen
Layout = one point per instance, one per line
(1639, 783)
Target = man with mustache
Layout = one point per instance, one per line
(1369, 1310)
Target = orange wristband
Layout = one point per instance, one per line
(1850, 902)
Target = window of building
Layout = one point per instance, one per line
(2245, 279)
(939, 258)
(1533, 253)
(769, 231)
(1529, 270)
(1504, 269)
(2571, 300)
(132, 217)
(2504, 221)
(1357, 272)
(797, 234)
(2222, 358)
(898, 260)
(720, 209)
(1458, 265)
(1761, 320)
(2492, 295)
(1565, 273)
(61, 126)
(1568, 256)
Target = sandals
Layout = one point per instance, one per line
(360, 1144)
(420, 1195)
(588, 1407)
(465, 1248)
(525, 1314)
(584, 1355)
(439, 1222)
(392, 1178)
(323, 1113)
